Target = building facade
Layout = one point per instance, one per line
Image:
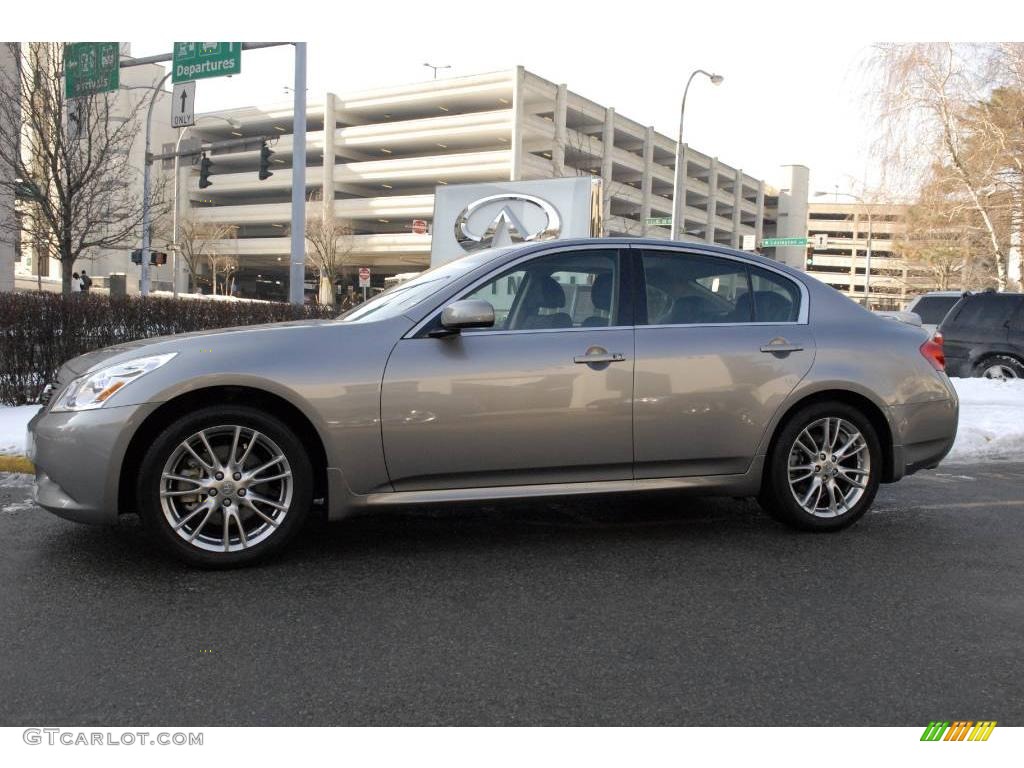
(374, 159)
(843, 264)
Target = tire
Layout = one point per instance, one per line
(999, 367)
(190, 511)
(847, 485)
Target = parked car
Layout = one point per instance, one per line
(983, 335)
(933, 306)
(546, 369)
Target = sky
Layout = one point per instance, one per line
(795, 77)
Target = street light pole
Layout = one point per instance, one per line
(146, 172)
(679, 181)
(297, 265)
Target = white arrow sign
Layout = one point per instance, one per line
(183, 105)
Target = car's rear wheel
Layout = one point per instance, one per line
(1001, 367)
(225, 486)
(823, 469)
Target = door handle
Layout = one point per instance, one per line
(781, 345)
(603, 357)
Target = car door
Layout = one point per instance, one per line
(719, 346)
(545, 396)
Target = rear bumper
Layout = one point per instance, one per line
(78, 460)
(925, 433)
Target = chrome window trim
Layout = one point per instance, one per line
(803, 316)
(511, 265)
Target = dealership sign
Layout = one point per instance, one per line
(471, 217)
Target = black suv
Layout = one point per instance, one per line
(983, 335)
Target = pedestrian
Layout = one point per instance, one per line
(76, 286)
(86, 282)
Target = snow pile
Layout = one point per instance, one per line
(991, 420)
(13, 423)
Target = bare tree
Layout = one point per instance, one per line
(198, 242)
(331, 244)
(225, 264)
(931, 100)
(67, 160)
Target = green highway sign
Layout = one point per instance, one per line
(659, 221)
(775, 242)
(195, 61)
(91, 68)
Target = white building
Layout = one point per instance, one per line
(385, 150)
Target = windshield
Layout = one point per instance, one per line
(399, 299)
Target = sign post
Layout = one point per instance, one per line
(183, 105)
(195, 61)
(364, 280)
(91, 68)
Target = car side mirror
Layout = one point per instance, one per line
(468, 313)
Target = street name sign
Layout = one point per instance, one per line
(195, 61)
(91, 68)
(781, 242)
(183, 104)
(659, 221)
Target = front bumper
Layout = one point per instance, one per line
(78, 459)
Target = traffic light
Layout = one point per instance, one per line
(156, 258)
(265, 155)
(204, 172)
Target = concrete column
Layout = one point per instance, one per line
(561, 132)
(330, 131)
(737, 201)
(518, 113)
(709, 232)
(646, 180)
(759, 221)
(679, 205)
(607, 147)
(8, 239)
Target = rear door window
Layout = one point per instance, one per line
(932, 309)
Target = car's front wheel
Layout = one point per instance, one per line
(224, 486)
(824, 468)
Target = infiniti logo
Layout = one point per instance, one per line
(493, 220)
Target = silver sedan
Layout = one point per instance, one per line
(567, 367)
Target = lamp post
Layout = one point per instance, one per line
(867, 260)
(679, 181)
(174, 207)
(146, 173)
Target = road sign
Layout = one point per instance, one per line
(195, 61)
(781, 242)
(749, 243)
(91, 68)
(183, 104)
(820, 241)
(419, 227)
(659, 221)
(364, 277)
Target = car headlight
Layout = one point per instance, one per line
(94, 389)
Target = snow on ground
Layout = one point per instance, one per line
(13, 422)
(991, 422)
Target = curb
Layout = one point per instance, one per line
(19, 464)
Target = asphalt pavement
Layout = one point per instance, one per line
(644, 611)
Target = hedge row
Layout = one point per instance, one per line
(40, 331)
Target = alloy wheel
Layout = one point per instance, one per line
(1000, 372)
(829, 467)
(226, 488)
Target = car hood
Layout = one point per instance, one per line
(77, 366)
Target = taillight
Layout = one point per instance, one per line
(934, 353)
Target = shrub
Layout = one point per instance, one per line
(40, 331)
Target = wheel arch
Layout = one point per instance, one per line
(871, 410)
(174, 408)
